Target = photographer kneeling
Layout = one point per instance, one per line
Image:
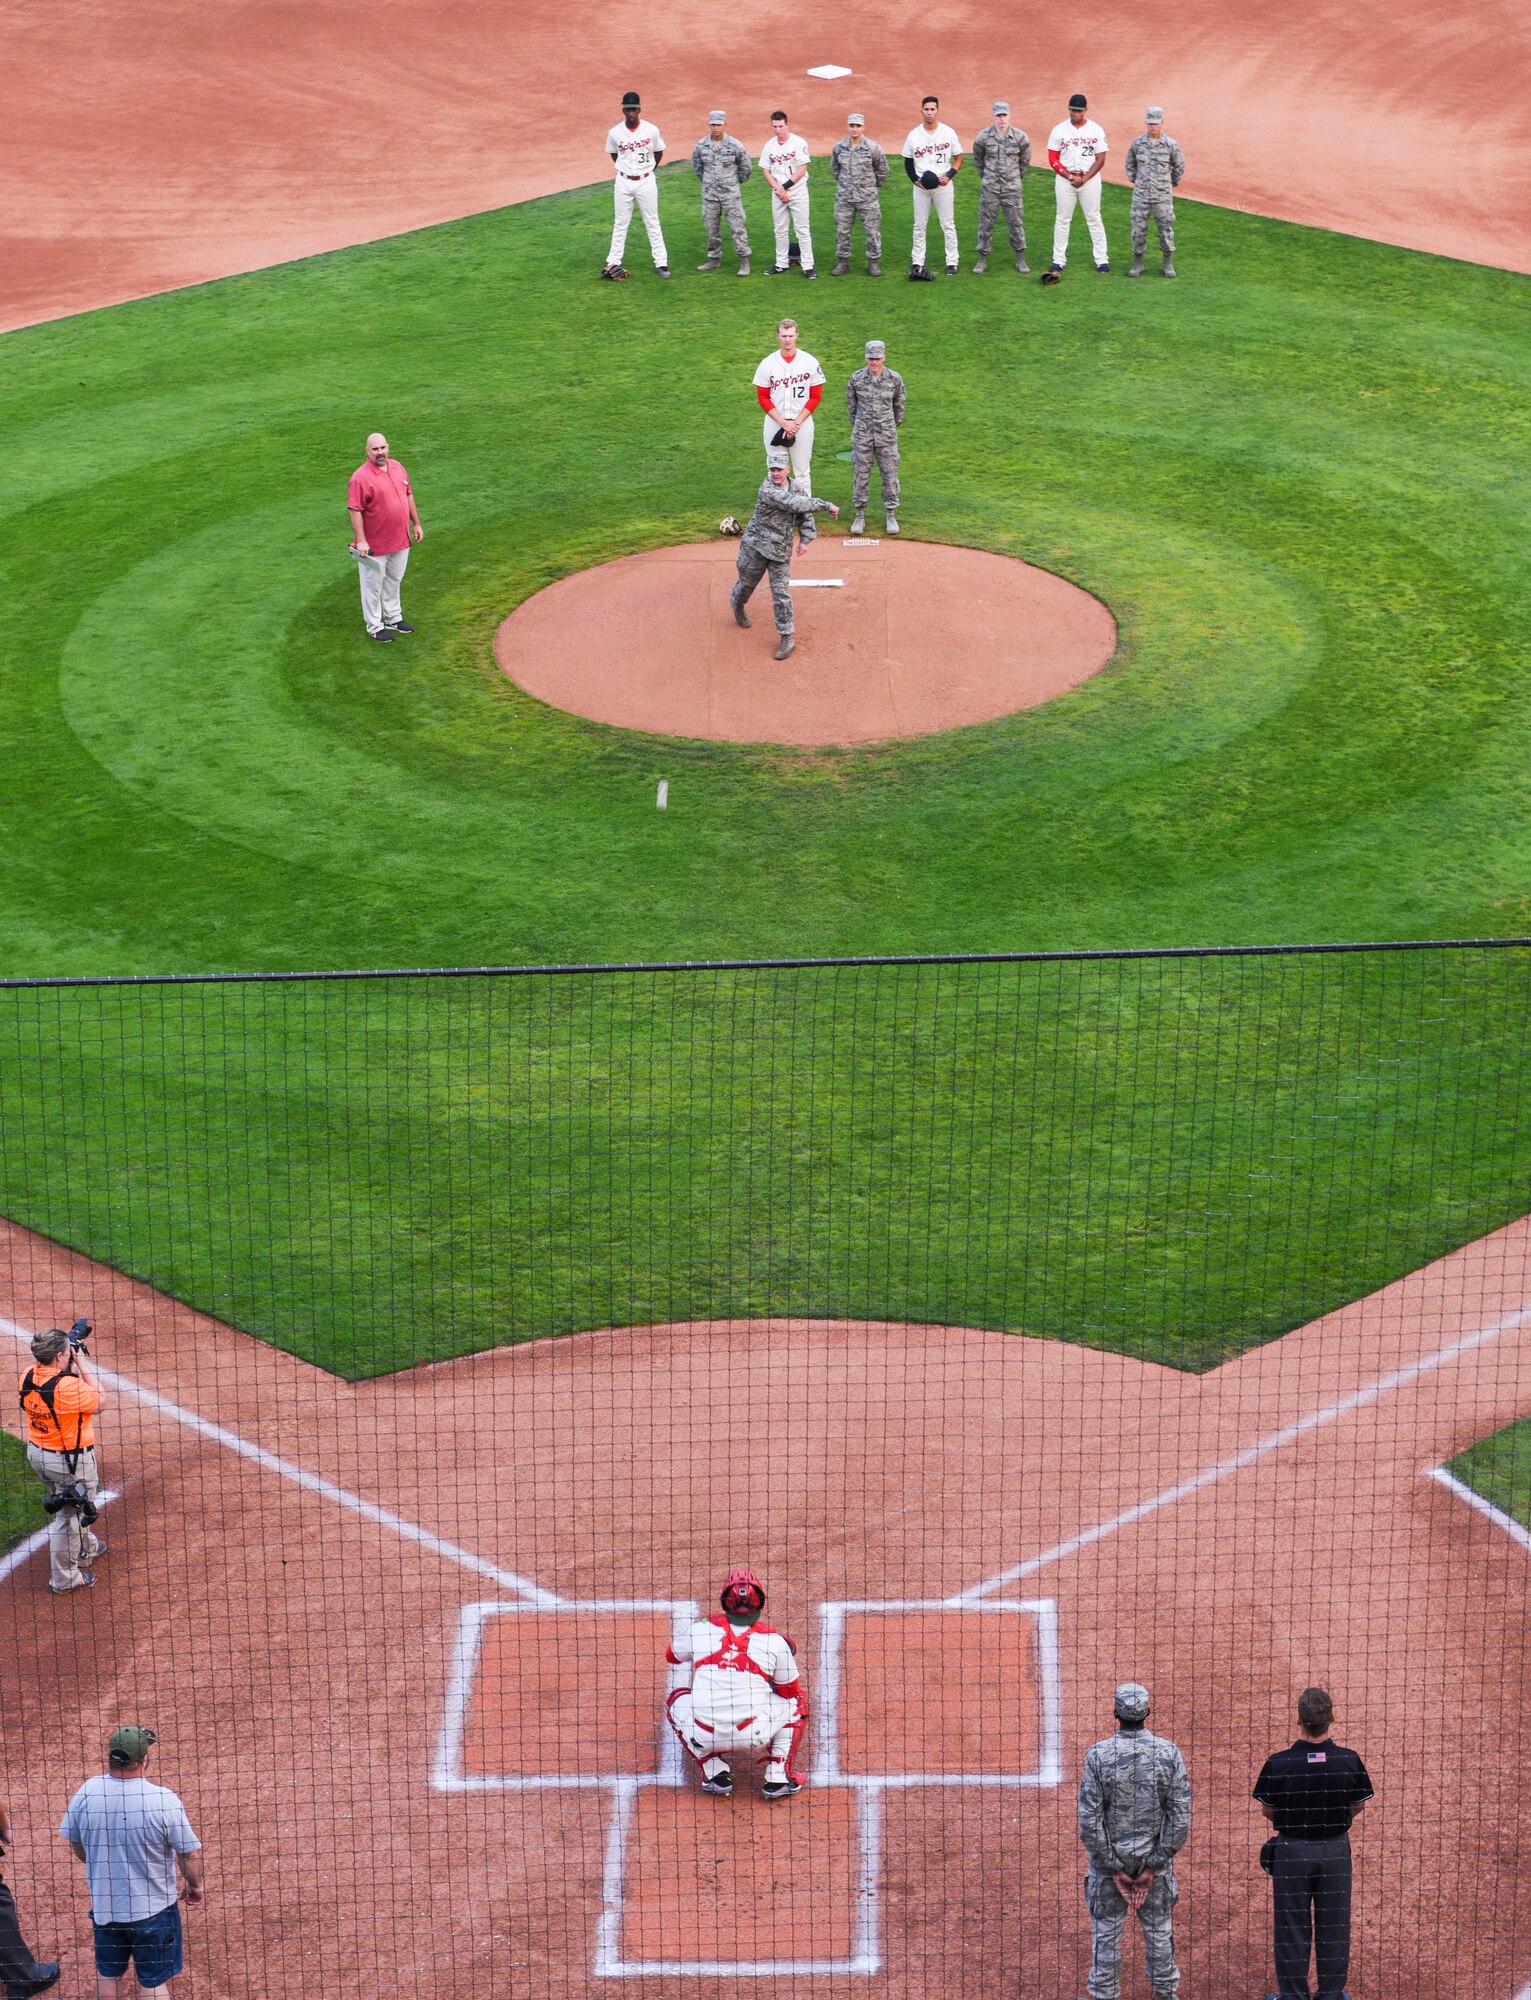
(61, 1395)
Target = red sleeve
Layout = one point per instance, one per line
(763, 397)
(1055, 160)
(669, 1653)
(788, 1690)
(355, 495)
(813, 397)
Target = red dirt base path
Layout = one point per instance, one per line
(314, 1592)
(894, 638)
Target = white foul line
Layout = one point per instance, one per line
(382, 1517)
(1272, 1441)
(1500, 1519)
(24, 1551)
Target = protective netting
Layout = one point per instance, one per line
(1028, 1325)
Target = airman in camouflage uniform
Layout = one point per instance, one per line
(860, 167)
(1001, 154)
(1134, 1818)
(722, 166)
(782, 511)
(1154, 164)
(874, 401)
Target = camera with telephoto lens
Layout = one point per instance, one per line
(72, 1494)
(79, 1333)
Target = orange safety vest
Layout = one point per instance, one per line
(43, 1426)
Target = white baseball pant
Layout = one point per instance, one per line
(713, 1738)
(800, 450)
(794, 210)
(645, 193)
(381, 577)
(942, 200)
(1087, 199)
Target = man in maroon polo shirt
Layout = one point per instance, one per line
(384, 521)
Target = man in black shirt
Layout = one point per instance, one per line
(1310, 1794)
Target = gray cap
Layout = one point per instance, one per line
(1131, 1702)
(717, 118)
(1154, 115)
(1001, 105)
(778, 458)
(876, 349)
(855, 118)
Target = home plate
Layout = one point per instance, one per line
(829, 71)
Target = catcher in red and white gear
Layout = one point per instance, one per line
(735, 1687)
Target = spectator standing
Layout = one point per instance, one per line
(1311, 1794)
(61, 1396)
(1134, 1818)
(20, 1973)
(384, 521)
(131, 1836)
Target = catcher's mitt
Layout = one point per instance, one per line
(929, 180)
(729, 526)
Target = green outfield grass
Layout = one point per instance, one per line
(1499, 1467)
(20, 1493)
(1297, 476)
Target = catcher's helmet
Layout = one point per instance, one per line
(743, 1592)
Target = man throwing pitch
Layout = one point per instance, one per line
(932, 159)
(735, 1687)
(636, 148)
(788, 385)
(781, 511)
(1076, 152)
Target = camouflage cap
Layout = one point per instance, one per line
(876, 349)
(130, 1744)
(998, 106)
(778, 458)
(1154, 115)
(1131, 1702)
(717, 118)
(855, 118)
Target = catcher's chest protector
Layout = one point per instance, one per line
(733, 1653)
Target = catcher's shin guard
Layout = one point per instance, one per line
(680, 1734)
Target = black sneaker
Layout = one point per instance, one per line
(721, 1787)
(44, 1977)
(951, 270)
(1103, 267)
(663, 270)
(401, 627)
(383, 637)
(782, 1791)
(813, 273)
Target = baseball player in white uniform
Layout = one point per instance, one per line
(932, 157)
(734, 1687)
(784, 162)
(1076, 152)
(637, 148)
(788, 385)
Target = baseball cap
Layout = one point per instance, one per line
(1079, 102)
(130, 1743)
(876, 349)
(855, 119)
(630, 97)
(1131, 1701)
(1154, 115)
(717, 118)
(778, 458)
(999, 105)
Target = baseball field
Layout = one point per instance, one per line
(1005, 1242)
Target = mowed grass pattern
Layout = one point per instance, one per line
(1499, 1468)
(1297, 477)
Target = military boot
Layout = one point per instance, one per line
(858, 526)
(874, 269)
(786, 646)
(741, 616)
(1169, 265)
(744, 267)
(980, 267)
(1135, 269)
(1022, 266)
(842, 268)
(711, 264)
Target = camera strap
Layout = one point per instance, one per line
(30, 1386)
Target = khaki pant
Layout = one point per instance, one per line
(381, 580)
(71, 1548)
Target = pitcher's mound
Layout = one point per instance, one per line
(893, 639)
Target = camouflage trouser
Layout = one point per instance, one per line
(991, 200)
(867, 449)
(714, 208)
(1108, 1919)
(870, 211)
(752, 567)
(1162, 208)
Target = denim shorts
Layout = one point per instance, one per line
(153, 1947)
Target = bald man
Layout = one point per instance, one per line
(384, 521)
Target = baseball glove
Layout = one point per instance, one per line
(781, 438)
(616, 272)
(1052, 277)
(929, 180)
(729, 526)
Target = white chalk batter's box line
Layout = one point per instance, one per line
(865, 1956)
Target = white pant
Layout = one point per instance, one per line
(794, 210)
(713, 1737)
(646, 194)
(380, 580)
(800, 451)
(1086, 198)
(942, 201)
